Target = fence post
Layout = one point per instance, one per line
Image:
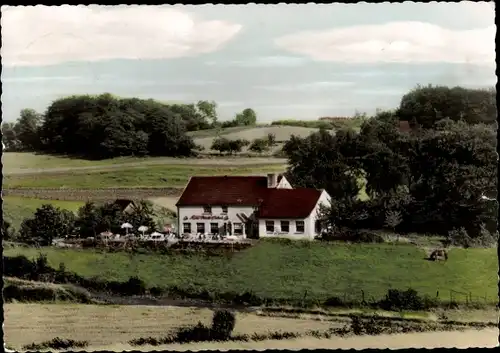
(362, 297)
(437, 294)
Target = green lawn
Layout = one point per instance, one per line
(152, 176)
(16, 209)
(287, 271)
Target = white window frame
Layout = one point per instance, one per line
(207, 209)
(198, 226)
(211, 229)
(184, 227)
(297, 227)
(268, 224)
(224, 209)
(238, 228)
(287, 223)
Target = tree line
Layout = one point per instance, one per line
(50, 222)
(104, 126)
(430, 181)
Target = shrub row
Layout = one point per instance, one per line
(358, 326)
(56, 343)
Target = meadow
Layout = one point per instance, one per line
(301, 269)
(137, 177)
(16, 209)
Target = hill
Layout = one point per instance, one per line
(282, 133)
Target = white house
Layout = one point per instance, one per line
(249, 206)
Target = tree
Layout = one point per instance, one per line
(9, 136)
(142, 215)
(104, 126)
(259, 145)
(425, 105)
(451, 168)
(48, 223)
(325, 161)
(384, 154)
(88, 220)
(271, 139)
(27, 130)
(220, 144)
(247, 117)
(209, 111)
(392, 220)
(235, 146)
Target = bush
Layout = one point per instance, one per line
(134, 286)
(223, 323)
(157, 291)
(198, 333)
(334, 301)
(402, 300)
(248, 298)
(19, 267)
(56, 343)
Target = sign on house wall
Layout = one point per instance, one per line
(224, 217)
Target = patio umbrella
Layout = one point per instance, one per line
(127, 226)
(156, 233)
(142, 229)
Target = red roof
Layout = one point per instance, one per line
(250, 191)
(289, 203)
(224, 190)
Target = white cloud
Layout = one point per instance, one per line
(395, 42)
(43, 35)
(312, 86)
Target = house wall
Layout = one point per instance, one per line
(232, 217)
(309, 223)
(284, 184)
(292, 232)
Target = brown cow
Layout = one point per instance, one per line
(439, 254)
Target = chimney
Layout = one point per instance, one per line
(272, 180)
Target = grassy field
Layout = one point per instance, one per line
(15, 209)
(27, 163)
(109, 324)
(270, 269)
(282, 133)
(151, 176)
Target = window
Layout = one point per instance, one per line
(207, 209)
(200, 228)
(187, 228)
(224, 209)
(285, 226)
(269, 226)
(238, 229)
(317, 226)
(214, 228)
(299, 226)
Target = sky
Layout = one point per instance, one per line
(284, 61)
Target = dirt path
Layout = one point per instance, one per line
(487, 338)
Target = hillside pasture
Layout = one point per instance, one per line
(282, 133)
(164, 176)
(30, 163)
(291, 271)
(16, 209)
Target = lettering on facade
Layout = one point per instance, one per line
(222, 217)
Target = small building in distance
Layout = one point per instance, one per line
(250, 206)
(126, 206)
